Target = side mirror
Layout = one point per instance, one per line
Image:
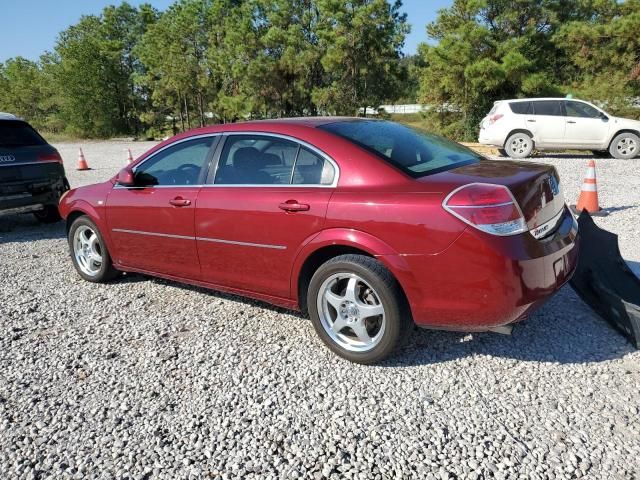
(125, 177)
(604, 117)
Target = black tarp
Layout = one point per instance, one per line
(604, 280)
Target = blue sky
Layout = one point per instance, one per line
(29, 27)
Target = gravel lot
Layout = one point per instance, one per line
(145, 378)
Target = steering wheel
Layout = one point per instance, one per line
(187, 173)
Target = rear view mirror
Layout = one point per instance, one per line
(125, 177)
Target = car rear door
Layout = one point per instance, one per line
(152, 224)
(267, 195)
(587, 127)
(547, 123)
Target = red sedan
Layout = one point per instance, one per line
(368, 225)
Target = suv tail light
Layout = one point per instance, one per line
(50, 157)
(494, 118)
(487, 207)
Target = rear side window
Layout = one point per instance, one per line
(270, 160)
(14, 133)
(256, 160)
(312, 169)
(521, 108)
(551, 108)
(414, 152)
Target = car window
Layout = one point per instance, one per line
(521, 108)
(415, 152)
(582, 110)
(180, 164)
(14, 133)
(256, 160)
(312, 169)
(548, 107)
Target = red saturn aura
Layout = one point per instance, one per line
(368, 225)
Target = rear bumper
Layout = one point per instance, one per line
(16, 197)
(482, 281)
(489, 136)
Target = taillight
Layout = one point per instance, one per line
(487, 207)
(494, 118)
(50, 157)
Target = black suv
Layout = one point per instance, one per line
(32, 177)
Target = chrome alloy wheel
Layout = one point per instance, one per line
(351, 312)
(87, 251)
(627, 146)
(519, 145)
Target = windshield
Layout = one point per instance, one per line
(414, 152)
(14, 133)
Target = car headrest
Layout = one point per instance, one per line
(247, 158)
(271, 159)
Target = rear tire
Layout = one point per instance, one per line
(358, 308)
(625, 146)
(49, 214)
(519, 145)
(89, 253)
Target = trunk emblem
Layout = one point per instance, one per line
(7, 158)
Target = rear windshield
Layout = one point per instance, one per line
(14, 133)
(415, 152)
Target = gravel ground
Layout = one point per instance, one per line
(149, 379)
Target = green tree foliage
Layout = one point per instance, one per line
(361, 42)
(604, 55)
(135, 71)
(486, 50)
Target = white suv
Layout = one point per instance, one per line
(516, 127)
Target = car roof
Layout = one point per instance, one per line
(8, 116)
(540, 98)
(306, 121)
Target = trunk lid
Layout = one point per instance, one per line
(535, 186)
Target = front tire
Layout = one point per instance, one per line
(49, 214)
(625, 146)
(502, 152)
(601, 153)
(357, 308)
(89, 253)
(519, 145)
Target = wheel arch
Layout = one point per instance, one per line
(519, 130)
(618, 132)
(82, 208)
(332, 243)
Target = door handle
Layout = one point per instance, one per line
(180, 202)
(532, 121)
(570, 121)
(293, 206)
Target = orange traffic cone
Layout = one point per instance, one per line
(82, 162)
(588, 199)
(129, 156)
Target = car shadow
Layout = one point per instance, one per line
(25, 228)
(565, 330)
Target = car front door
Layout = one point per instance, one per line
(152, 223)
(268, 195)
(587, 127)
(547, 123)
